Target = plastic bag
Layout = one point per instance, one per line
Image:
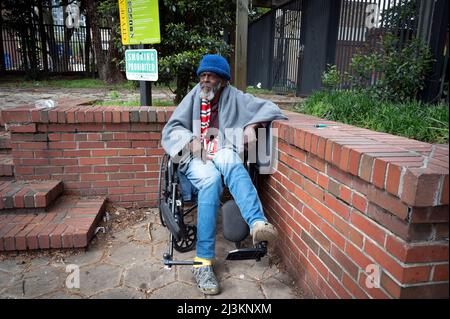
(42, 104)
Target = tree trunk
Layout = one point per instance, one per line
(182, 88)
(108, 70)
(113, 72)
(43, 37)
(51, 42)
(32, 42)
(87, 47)
(23, 46)
(67, 37)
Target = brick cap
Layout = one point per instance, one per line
(414, 171)
(83, 111)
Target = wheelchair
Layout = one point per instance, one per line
(173, 209)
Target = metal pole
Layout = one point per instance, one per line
(240, 74)
(145, 86)
(426, 11)
(437, 34)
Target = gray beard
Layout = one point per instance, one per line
(208, 94)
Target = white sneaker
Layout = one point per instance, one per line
(263, 231)
(206, 280)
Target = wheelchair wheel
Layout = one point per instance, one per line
(188, 243)
(162, 186)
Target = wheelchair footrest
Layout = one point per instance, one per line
(255, 253)
(181, 263)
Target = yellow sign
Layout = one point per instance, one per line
(139, 21)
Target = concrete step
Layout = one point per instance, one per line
(69, 223)
(28, 194)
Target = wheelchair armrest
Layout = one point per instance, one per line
(265, 163)
(264, 160)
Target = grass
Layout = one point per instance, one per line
(69, 83)
(114, 100)
(65, 83)
(415, 120)
(90, 83)
(253, 90)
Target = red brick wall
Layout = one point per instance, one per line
(111, 151)
(343, 198)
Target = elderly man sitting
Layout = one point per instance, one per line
(214, 105)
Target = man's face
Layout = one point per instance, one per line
(210, 83)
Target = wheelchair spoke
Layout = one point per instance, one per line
(188, 243)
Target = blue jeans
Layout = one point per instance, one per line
(207, 178)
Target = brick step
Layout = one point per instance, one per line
(69, 223)
(28, 194)
(6, 164)
(5, 140)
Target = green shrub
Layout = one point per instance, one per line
(428, 123)
(331, 78)
(404, 68)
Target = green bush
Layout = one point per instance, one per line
(404, 68)
(331, 78)
(428, 123)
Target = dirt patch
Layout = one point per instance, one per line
(117, 219)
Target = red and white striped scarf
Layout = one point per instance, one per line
(210, 145)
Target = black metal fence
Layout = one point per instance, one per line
(54, 49)
(363, 25)
(287, 47)
(290, 46)
(274, 49)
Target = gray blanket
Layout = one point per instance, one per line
(236, 111)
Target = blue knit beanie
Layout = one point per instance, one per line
(216, 64)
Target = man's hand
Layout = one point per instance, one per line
(250, 134)
(197, 150)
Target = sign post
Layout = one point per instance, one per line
(145, 87)
(139, 25)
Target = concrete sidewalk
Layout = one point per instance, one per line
(126, 262)
(12, 96)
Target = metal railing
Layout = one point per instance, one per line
(363, 25)
(274, 58)
(63, 50)
(286, 44)
(287, 48)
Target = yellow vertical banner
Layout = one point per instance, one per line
(139, 21)
(124, 22)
